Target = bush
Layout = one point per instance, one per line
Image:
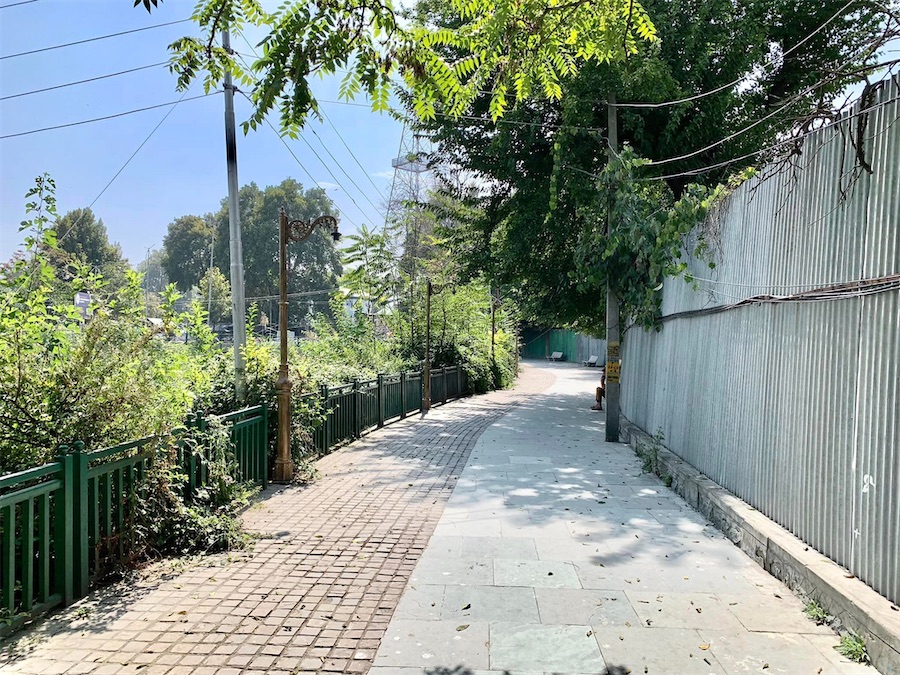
(168, 523)
(104, 379)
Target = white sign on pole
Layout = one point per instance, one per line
(83, 303)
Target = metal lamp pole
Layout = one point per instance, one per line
(430, 289)
(289, 231)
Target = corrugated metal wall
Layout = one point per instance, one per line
(577, 347)
(794, 407)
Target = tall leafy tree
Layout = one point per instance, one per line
(82, 237)
(538, 203)
(516, 48)
(155, 277)
(214, 293)
(187, 247)
(314, 265)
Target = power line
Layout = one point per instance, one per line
(756, 123)
(331, 173)
(774, 146)
(366, 173)
(107, 117)
(117, 174)
(16, 4)
(128, 161)
(93, 39)
(731, 85)
(90, 79)
(328, 150)
(344, 171)
(299, 163)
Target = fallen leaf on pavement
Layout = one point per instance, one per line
(462, 627)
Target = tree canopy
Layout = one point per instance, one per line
(515, 48)
(187, 246)
(314, 265)
(82, 238)
(533, 213)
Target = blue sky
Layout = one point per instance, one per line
(181, 170)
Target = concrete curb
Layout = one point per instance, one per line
(808, 573)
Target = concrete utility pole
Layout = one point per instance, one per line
(238, 320)
(612, 301)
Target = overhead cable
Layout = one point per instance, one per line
(847, 291)
(736, 82)
(16, 4)
(90, 79)
(300, 164)
(107, 117)
(93, 39)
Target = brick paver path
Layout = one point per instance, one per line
(316, 592)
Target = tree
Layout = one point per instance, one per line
(83, 238)
(313, 265)
(548, 38)
(153, 269)
(539, 202)
(216, 295)
(187, 246)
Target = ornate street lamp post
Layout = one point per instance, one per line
(290, 231)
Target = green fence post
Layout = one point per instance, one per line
(403, 395)
(459, 388)
(357, 401)
(81, 579)
(326, 420)
(380, 400)
(64, 530)
(264, 447)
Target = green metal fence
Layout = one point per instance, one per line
(69, 522)
(352, 409)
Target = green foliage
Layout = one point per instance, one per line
(166, 523)
(815, 612)
(533, 216)
(102, 380)
(370, 269)
(82, 240)
(313, 266)
(216, 293)
(853, 647)
(516, 48)
(186, 249)
(638, 237)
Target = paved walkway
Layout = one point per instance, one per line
(486, 537)
(316, 593)
(555, 554)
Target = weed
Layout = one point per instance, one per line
(667, 480)
(815, 612)
(853, 647)
(81, 613)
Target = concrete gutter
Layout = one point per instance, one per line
(808, 573)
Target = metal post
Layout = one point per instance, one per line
(612, 301)
(426, 371)
(284, 468)
(238, 320)
(403, 395)
(493, 340)
(380, 400)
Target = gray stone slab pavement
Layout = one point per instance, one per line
(556, 554)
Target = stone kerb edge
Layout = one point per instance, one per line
(808, 573)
